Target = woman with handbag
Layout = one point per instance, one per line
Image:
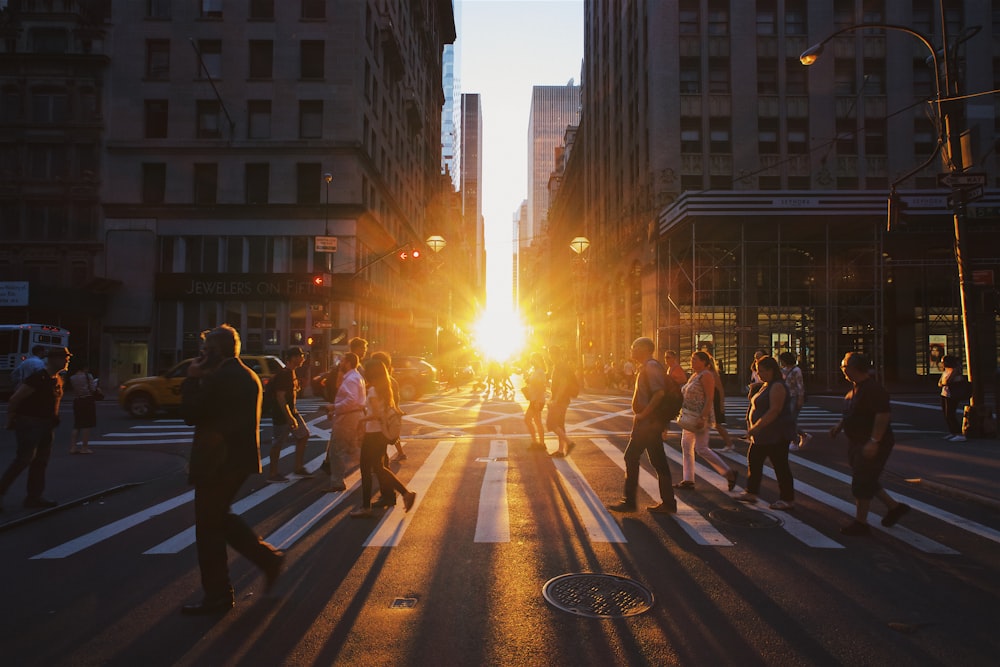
(380, 404)
(770, 425)
(950, 400)
(696, 418)
(84, 409)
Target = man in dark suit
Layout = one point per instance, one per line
(221, 397)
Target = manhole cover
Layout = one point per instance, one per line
(745, 518)
(597, 595)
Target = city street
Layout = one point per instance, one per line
(462, 578)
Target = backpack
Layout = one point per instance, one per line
(670, 405)
(392, 424)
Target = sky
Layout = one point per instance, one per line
(506, 47)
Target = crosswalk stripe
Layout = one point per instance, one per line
(790, 524)
(600, 525)
(294, 529)
(902, 533)
(493, 523)
(393, 525)
(693, 523)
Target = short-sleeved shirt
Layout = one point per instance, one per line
(42, 401)
(861, 404)
(652, 378)
(284, 380)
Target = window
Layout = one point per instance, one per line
(690, 135)
(157, 9)
(689, 23)
(767, 77)
(261, 58)
(210, 51)
(206, 178)
(208, 120)
(690, 75)
(795, 17)
(49, 107)
(310, 119)
(844, 79)
(875, 143)
(924, 139)
(308, 181)
(259, 119)
(767, 136)
(158, 59)
(718, 75)
(767, 18)
(874, 82)
(798, 136)
(154, 182)
(796, 81)
(47, 162)
(10, 105)
(847, 131)
(314, 9)
(211, 9)
(719, 136)
(718, 17)
(262, 9)
(311, 53)
(258, 181)
(156, 119)
(48, 40)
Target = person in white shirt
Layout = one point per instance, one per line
(346, 412)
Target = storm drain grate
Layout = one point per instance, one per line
(403, 603)
(597, 595)
(745, 518)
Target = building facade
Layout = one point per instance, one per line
(740, 201)
(257, 163)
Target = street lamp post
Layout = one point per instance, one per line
(437, 243)
(579, 245)
(948, 137)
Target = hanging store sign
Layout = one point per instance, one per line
(249, 287)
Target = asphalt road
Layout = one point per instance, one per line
(460, 580)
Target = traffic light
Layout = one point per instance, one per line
(322, 280)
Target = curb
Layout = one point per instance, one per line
(28, 518)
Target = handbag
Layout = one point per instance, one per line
(689, 420)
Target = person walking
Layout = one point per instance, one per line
(867, 423)
(674, 368)
(380, 402)
(358, 346)
(285, 418)
(31, 365)
(33, 414)
(719, 406)
(534, 391)
(346, 412)
(84, 410)
(386, 360)
(694, 438)
(950, 401)
(221, 398)
(771, 423)
(565, 387)
(647, 429)
(796, 386)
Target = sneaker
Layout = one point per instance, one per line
(804, 439)
(684, 485)
(895, 514)
(856, 528)
(747, 497)
(337, 488)
(361, 513)
(663, 508)
(302, 472)
(276, 478)
(784, 505)
(622, 506)
(408, 500)
(959, 438)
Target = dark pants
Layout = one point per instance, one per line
(216, 526)
(34, 448)
(866, 472)
(949, 406)
(647, 437)
(373, 461)
(778, 453)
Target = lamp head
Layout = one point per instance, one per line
(812, 54)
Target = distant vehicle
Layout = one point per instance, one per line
(143, 397)
(16, 341)
(415, 376)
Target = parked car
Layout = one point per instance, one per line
(143, 397)
(415, 376)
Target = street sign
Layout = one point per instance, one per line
(965, 195)
(14, 293)
(322, 325)
(326, 244)
(983, 277)
(967, 180)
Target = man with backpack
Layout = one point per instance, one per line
(286, 421)
(651, 417)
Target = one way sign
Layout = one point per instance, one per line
(956, 180)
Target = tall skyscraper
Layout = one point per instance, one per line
(470, 184)
(449, 128)
(553, 108)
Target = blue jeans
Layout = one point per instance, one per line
(647, 436)
(34, 448)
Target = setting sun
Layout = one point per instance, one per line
(499, 334)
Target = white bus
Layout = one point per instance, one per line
(16, 341)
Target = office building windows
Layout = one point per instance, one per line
(875, 142)
(156, 118)
(688, 19)
(211, 9)
(767, 136)
(795, 17)
(310, 119)
(49, 106)
(154, 182)
(261, 58)
(796, 79)
(308, 181)
(767, 18)
(767, 77)
(206, 181)
(690, 135)
(158, 59)
(690, 75)
(258, 182)
(313, 9)
(798, 136)
(718, 17)
(719, 136)
(259, 119)
(718, 75)
(311, 54)
(847, 142)
(210, 61)
(208, 125)
(158, 9)
(262, 9)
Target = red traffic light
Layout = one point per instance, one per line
(416, 254)
(322, 280)
(404, 255)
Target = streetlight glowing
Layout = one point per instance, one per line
(436, 243)
(812, 54)
(579, 244)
